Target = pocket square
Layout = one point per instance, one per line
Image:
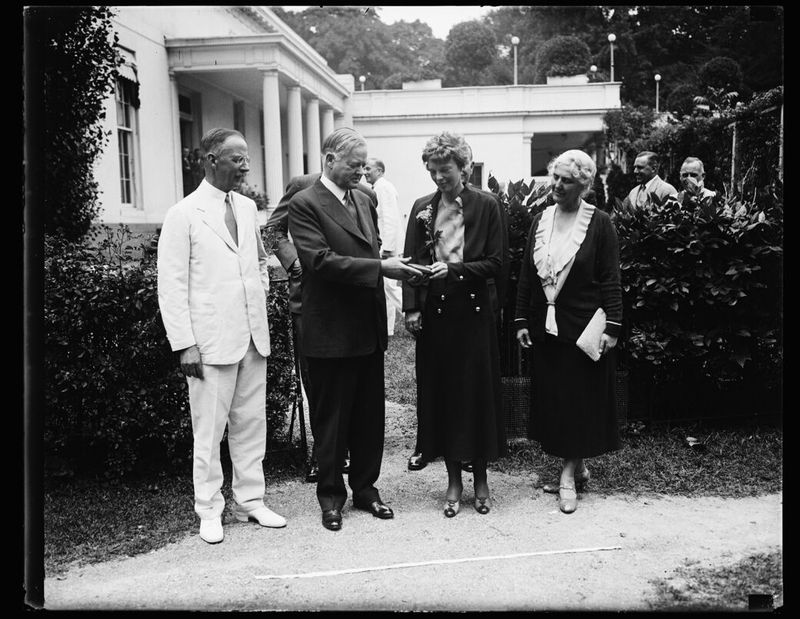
(589, 340)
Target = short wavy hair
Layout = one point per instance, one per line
(581, 166)
(446, 146)
(342, 141)
(213, 139)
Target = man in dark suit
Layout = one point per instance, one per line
(283, 248)
(334, 230)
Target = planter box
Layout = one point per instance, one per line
(560, 80)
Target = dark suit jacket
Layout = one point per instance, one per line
(279, 222)
(483, 243)
(344, 307)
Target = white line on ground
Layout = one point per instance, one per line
(395, 566)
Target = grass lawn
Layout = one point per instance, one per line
(135, 516)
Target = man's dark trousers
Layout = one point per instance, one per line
(347, 394)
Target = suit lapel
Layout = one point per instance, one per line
(217, 224)
(336, 211)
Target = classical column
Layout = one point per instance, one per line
(527, 152)
(294, 122)
(327, 122)
(347, 112)
(176, 142)
(313, 143)
(273, 151)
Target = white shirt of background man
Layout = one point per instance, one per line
(389, 217)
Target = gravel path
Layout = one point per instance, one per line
(524, 555)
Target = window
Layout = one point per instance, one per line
(476, 178)
(238, 116)
(127, 104)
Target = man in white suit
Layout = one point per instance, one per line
(389, 222)
(212, 284)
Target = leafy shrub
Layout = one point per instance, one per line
(702, 299)
(115, 400)
(561, 55)
(721, 72)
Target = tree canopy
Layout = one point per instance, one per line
(674, 41)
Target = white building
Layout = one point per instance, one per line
(191, 68)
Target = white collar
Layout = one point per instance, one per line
(566, 251)
(217, 195)
(649, 184)
(333, 188)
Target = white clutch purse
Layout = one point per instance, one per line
(589, 341)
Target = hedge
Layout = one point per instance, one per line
(115, 400)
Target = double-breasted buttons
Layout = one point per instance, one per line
(442, 297)
(472, 296)
(477, 308)
(460, 277)
(438, 310)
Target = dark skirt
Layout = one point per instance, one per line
(459, 398)
(574, 412)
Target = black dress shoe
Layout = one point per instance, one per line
(346, 466)
(466, 466)
(376, 508)
(332, 519)
(416, 462)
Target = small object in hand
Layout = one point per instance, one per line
(420, 267)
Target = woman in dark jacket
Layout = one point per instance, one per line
(457, 232)
(570, 270)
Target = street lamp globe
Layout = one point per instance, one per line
(657, 77)
(362, 79)
(612, 38)
(514, 40)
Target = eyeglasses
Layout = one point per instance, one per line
(237, 159)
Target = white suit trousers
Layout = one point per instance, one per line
(394, 302)
(232, 395)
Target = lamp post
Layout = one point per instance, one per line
(657, 78)
(611, 39)
(593, 70)
(514, 43)
(362, 79)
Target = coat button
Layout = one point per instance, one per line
(438, 310)
(442, 297)
(472, 295)
(460, 277)
(477, 309)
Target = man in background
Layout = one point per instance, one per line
(694, 194)
(650, 189)
(389, 219)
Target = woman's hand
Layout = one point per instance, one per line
(438, 270)
(414, 322)
(607, 342)
(524, 338)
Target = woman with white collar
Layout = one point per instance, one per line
(570, 270)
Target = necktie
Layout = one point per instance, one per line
(350, 206)
(641, 197)
(230, 220)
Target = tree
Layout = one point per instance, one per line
(470, 48)
(559, 56)
(357, 42)
(79, 66)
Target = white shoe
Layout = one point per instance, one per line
(211, 530)
(263, 516)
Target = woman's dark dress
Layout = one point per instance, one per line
(574, 413)
(459, 400)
